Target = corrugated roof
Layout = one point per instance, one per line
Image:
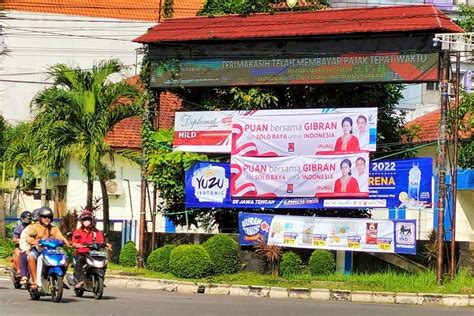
(312, 23)
(144, 10)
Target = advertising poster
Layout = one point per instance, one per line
(367, 235)
(294, 134)
(300, 176)
(388, 187)
(211, 131)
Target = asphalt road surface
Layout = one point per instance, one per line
(139, 302)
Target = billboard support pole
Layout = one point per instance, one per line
(454, 167)
(442, 162)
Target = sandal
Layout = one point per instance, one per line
(34, 286)
(24, 280)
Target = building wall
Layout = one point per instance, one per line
(35, 41)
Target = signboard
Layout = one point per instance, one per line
(300, 176)
(388, 187)
(367, 235)
(315, 69)
(310, 134)
(210, 132)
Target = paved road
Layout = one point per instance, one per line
(139, 302)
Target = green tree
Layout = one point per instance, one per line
(466, 17)
(75, 114)
(465, 127)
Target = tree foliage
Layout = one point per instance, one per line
(466, 17)
(465, 128)
(74, 115)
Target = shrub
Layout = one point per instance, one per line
(290, 264)
(270, 253)
(6, 247)
(159, 259)
(224, 254)
(322, 262)
(190, 261)
(128, 255)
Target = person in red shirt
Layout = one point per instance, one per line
(347, 142)
(86, 234)
(346, 183)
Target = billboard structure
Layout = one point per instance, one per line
(389, 236)
(402, 183)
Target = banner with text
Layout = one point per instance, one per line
(210, 131)
(208, 185)
(316, 69)
(305, 134)
(300, 176)
(367, 235)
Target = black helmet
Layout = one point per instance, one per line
(25, 217)
(46, 212)
(34, 215)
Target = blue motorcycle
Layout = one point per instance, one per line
(53, 270)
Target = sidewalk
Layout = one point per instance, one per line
(280, 292)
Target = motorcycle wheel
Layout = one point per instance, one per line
(17, 284)
(79, 292)
(34, 295)
(56, 285)
(97, 286)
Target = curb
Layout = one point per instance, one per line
(314, 294)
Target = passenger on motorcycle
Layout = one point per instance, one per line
(43, 229)
(19, 258)
(86, 234)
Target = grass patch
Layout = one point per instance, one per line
(384, 282)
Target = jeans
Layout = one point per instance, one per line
(23, 264)
(78, 267)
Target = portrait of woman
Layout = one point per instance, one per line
(346, 183)
(347, 142)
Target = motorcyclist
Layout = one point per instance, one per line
(19, 258)
(86, 234)
(42, 229)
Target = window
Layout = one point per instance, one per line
(432, 86)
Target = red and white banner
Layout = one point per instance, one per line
(308, 134)
(300, 176)
(211, 131)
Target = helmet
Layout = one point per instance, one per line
(25, 217)
(85, 215)
(46, 212)
(34, 215)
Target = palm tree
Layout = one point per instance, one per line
(76, 113)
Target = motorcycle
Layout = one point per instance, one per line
(16, 279)
(93, 271)
(53, 271)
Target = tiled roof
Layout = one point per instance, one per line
(428, 125)
(126, 134)
(308, 23)
(144, 10)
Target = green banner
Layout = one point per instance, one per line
(382, 67)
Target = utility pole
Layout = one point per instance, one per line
(454, 167)
(442, 161)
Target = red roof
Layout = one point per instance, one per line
(428, 125)
(311, 23)
(126, 134)
(143, 10)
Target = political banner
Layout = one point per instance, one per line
(300, 176)
(211, 131)
(388, 187)
(366, 235)
(309, 134)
